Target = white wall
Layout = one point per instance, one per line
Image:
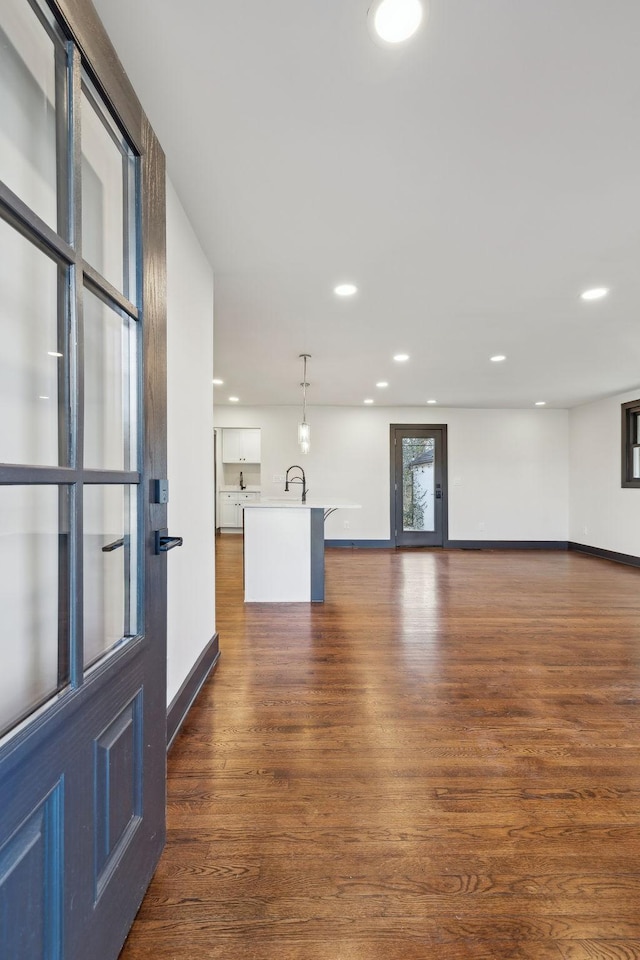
(602, 513)
(191, 606)
(508, 469)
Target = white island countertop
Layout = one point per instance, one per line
(327, 504)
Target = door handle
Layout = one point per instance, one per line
(164, 543)
(109, 547)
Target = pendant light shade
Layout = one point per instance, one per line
(304, 435)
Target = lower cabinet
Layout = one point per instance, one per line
(231, 506)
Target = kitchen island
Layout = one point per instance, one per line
(284, 550)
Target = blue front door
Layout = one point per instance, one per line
(82, 434)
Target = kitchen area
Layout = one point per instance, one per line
(238, 477)
(284, 535)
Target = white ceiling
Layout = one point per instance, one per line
(471, 182)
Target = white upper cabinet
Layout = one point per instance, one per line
(241, 445)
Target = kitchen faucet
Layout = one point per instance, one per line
(242, 483)
(301, 480)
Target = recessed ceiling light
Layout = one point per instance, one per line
(234, 399)
(432, 401)
(541, 403)
(41, 397)
(368, 401)
(401, 357)
(382, 383)
(396, 20)
(217, 383)
(499, 357)
(53, 353)
(345, 289)
(596, 293)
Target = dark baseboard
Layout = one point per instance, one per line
(186, 695)
(627, 558)
(458, 544)
(499, 545)
(507, 544)
(361, 544)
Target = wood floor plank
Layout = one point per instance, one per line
(439, 762)
(358, 948)
(601, 950)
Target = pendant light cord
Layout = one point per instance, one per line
(304, 389)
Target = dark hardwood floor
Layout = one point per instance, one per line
(442, 761)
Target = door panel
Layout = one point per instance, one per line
(110, 406)
(32, 98)
(31, 862)
(118, 779)
(108, 195)
(110, 567)
(29, 596)
(83, 689)
(418, 485)
(29, 362)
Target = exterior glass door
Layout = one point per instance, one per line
(418, 484)
(82, 689)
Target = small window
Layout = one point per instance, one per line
(631, 444)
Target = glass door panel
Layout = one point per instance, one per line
(108, 197)
(33, 551)
(110, 425)
(32, 82)
(110, 567)
(32, 357)
(418, 484)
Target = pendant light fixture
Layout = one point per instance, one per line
(304, 430)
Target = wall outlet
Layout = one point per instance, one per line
(278, 478)
(482, 526)
(585, 530)
(457, 481)
(346, 524)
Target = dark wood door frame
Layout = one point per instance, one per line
(442, 427)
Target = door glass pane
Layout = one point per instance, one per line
(636, 463)
(418, 484)
(32, 361)
(110, 567)
(108, 196)
(30, 62)
(32, 540)
(109, 385)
